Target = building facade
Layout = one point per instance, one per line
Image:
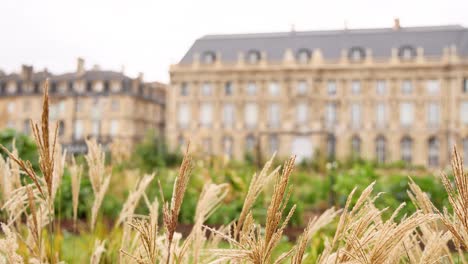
(95, 103)
(385, 94)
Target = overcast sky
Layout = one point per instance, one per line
(149, 35)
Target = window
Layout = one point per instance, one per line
(61, 128)
(11, 88)
(11, 107)
(251, 88)
(301, 88)
(78, 130)
(406, 87)
(98, 87)
(250, 143)
(406, 114)
(114, 127)
(355, 115)
(331, 87)
(355, 146)
(465, 151)
(26, 127)
(381, 115)
(433, 114)
(355, 87)
(11, 124)
(274, 115)
(301, 113)
(228, 147)
(26, 105)
(206, 145)
(253, 57)
(303, 56)
(181, 142)
(79, 87)
(251, 115)
(433, 146)
(184, 115)
(380, 149)
(79, 105)
(116, 86)
(465, 85)
(464, 112)
(206, 89)
(406, 148)
(115, 105)
(380, 87)
(228, 88)
(274, 89)
(273, 144)
(228, 115)
(330, 115)
(356, 54)
(432, 87)
(206, 114)
(184, 89)
(407, 53)
(208, 57)
(331, 146)
(96, 127)
(63, 87)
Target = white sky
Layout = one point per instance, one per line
(149, 35)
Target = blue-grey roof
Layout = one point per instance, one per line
(432, 39)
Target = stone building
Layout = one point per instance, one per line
(106, 105)
(386, 94)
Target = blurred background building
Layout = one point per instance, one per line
(106, 105)
(387, 94)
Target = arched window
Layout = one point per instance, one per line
(433, 151)
(228, 146)
(253, 57)
(406, 149)
(250, 143)
(355, 146)
(356, 54)
(465, 151)
(331, 146)
(303, 56)
(380, 149)
(406, 52)
(208, 57)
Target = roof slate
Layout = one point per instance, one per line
(331, 42)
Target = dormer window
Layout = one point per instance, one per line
(303, 56)
(356, 54)
(208, 57)
(253, 57)
(407, 53)
(98, 87)
(11, 88)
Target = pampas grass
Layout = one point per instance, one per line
(361, 233)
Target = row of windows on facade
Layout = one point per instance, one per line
(303, 56)
(63, 87)
(381, 151)
(57, 108)
(302, 88)
(302, 114)
(78, 130)
(78, 87)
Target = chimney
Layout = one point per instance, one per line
(140, 77)
(26, 72)
(396, 24)
(122, 69)
(96, 67)
(80, 66)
